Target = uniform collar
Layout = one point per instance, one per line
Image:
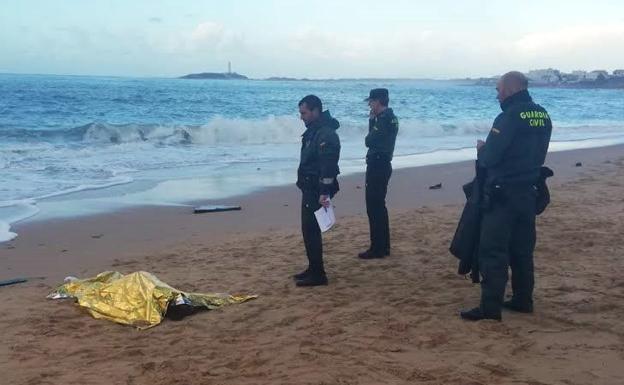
(519, 97)
(313, 126)
(388, 110)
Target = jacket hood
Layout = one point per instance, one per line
(329, 120)
(325, 120)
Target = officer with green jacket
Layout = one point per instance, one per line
(383, 127)
(511, 157)
(317, 180)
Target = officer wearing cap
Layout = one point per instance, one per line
(383, 127)
(511, 158)
(317, 180)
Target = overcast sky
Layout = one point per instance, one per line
(392, 38)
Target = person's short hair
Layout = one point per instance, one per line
(516, 80)
(312, 102)
(380, 95)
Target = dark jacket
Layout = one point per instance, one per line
(382, 133)
(516, 147)
(465, 243)
(320, 152)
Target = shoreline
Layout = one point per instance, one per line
(89, 200)
(81, 245)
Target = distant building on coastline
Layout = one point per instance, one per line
(597, 75)
(544, 76)
(551, 77)
(579, 75)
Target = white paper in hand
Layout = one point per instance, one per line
(325, 217)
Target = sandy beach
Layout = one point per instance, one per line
(392, 321)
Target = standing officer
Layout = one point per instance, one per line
(511, 156)
(316, 177)
(383, 127)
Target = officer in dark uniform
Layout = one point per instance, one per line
(316, 177)
(511, 157)
(383, 127)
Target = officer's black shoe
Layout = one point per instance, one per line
(312, 280)
(370, 254)
(301, 275)
(477, 314)
(518, 307)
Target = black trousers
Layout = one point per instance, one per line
(507, 240)
(377, 177)
(311, 231)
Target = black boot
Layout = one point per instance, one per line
(312, 280)
(518, 307)
(370, 254)
(302, 275)
(477, 314)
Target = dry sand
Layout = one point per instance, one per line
(391, 321)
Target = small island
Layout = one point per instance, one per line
(229, 75)
(216, 75)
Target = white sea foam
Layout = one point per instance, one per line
(220, 130)
(5, 233)
(272, 129)
(13, 212)
(86, 187)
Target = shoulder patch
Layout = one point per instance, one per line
(495, 130)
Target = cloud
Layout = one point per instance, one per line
(407, 51)
(204, 38)
(207, 34)
(583, 46)
(571, 39)
(326, 45)
(413, 51)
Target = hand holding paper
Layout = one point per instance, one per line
(325, 216)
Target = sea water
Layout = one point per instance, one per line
(75, 145)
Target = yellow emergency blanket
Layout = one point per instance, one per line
(138, 299)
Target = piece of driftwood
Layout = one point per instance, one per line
(13, 281)
(436, 186)
(214, 209)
